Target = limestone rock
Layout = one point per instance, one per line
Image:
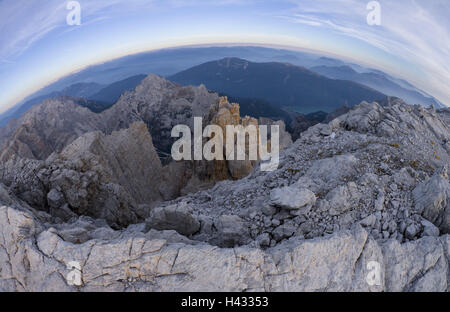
(47, 128)
(231, 231)
(333, 169)
(292, 198)
(429, 229)
(175, 217)
(103, 176)
(87, 200)
(336, 263)
(343, 198)
(432, 200)
(416, 266)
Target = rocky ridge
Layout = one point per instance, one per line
(69, 168)
(385, 168)
(39, 257)
(370, 186)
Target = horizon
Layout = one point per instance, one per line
(199, 46)
(43, 40)
(195, 46)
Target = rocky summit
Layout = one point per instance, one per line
(91, 202)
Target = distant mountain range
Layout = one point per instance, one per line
(281, 84)
(110, 94)
(168, 62)
(81, 90)
(102, 84)
(378, 81)
(260, 108)
(94, 96)
(171, 61)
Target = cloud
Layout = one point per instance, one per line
(416, 31)
(7, 61)
(300, 19)
(24, 22)
(183, 3)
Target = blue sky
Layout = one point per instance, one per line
(37, 46)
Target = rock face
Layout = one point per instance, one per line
(301, 122)
(358, 204)
(38, 259)
(176, 217)
(47, 128)
(291, 198)
(432, 200)
(159, 104)
(356, 176)
(102, 176)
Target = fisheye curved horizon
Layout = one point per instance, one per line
(46, 48)
(224, 151)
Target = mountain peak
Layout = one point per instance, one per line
(151, 84)
(153, 79)
(281, 84)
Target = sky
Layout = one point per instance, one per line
(37, 46)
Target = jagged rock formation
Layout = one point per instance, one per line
(109, 177)
(301, 122)
(158, 103)
(117, 176)
(370, 186)
(47, 128)
(223, 114)
(362, 168)
(161, 105)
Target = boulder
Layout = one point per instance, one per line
(283, 231)
(232, 231)
(429, 229)
(175, 217)
(432, 200)
(333, 169)
(292, 198)
(342, 198)
(55, 198)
